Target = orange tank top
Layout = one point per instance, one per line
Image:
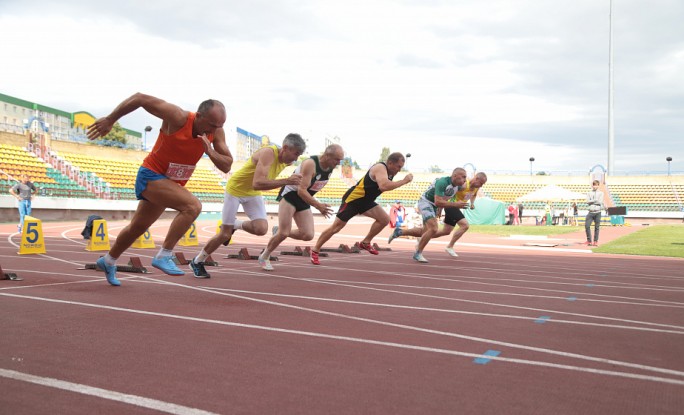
(176, 155)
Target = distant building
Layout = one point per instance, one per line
(20, 116)
(247, 143)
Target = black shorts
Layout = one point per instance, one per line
(356, 207)
(296, 201)
(452, 216)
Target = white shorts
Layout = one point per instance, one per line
(253, 206)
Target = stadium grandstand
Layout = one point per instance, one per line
(77, 177)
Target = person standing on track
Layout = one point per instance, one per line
(183, 138)
(244, 188)
(296, 201)
(23, 192)
(595, 206)
(360, 200)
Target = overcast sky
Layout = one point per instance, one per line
(490, 83)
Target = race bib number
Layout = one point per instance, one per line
(318, 185)
(179, 171)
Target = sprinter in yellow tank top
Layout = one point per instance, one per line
(245, 187)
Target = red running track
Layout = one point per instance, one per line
(576, 332)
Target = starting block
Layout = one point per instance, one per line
(377, 247)
(9, 276)
(134, 265)
(179, 258)
(243, 254)
(343, 249)
(210, 262)
(299, 251)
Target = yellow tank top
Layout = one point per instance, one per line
(465, 193)
(241, 182)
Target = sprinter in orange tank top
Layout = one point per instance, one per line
(183, 138)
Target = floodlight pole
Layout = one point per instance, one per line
(147, 129)
(531, 161)
(611, 123)
(669, 159)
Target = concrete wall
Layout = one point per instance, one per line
(62, 209)
(13, 139)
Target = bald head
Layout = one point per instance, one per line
(332, 155)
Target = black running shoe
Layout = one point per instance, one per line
(198, 269)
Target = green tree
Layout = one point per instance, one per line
(384, 154)
(435, 169)
(118, 134)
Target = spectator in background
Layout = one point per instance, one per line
(595, 206)
(575, 213)
(516, 220)
(520, 212)
(23, 192)
(397, 215)
(547, 214)
(511, 214)
(568, 215)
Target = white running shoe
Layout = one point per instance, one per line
(451, 251)
(265, 264)
(420, 258)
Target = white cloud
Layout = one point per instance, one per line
(415, 76)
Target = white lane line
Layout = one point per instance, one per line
(635, 301)
(497, 281)
(398, 345)
(510, 316)
(545, 311)
(445, 310)
(495, 246)
(157, 405)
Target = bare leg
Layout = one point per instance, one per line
(257, 227)
(415, 232)
(328, 233)
(285, 213)
(166, 193)
(218, 239)
(463, 227)
(159, 195)
(418, 232)
(381, 221)
(305, 226)
(145, 215)
(431, 229)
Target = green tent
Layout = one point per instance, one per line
(487, 212)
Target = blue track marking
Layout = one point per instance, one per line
(484, 360)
